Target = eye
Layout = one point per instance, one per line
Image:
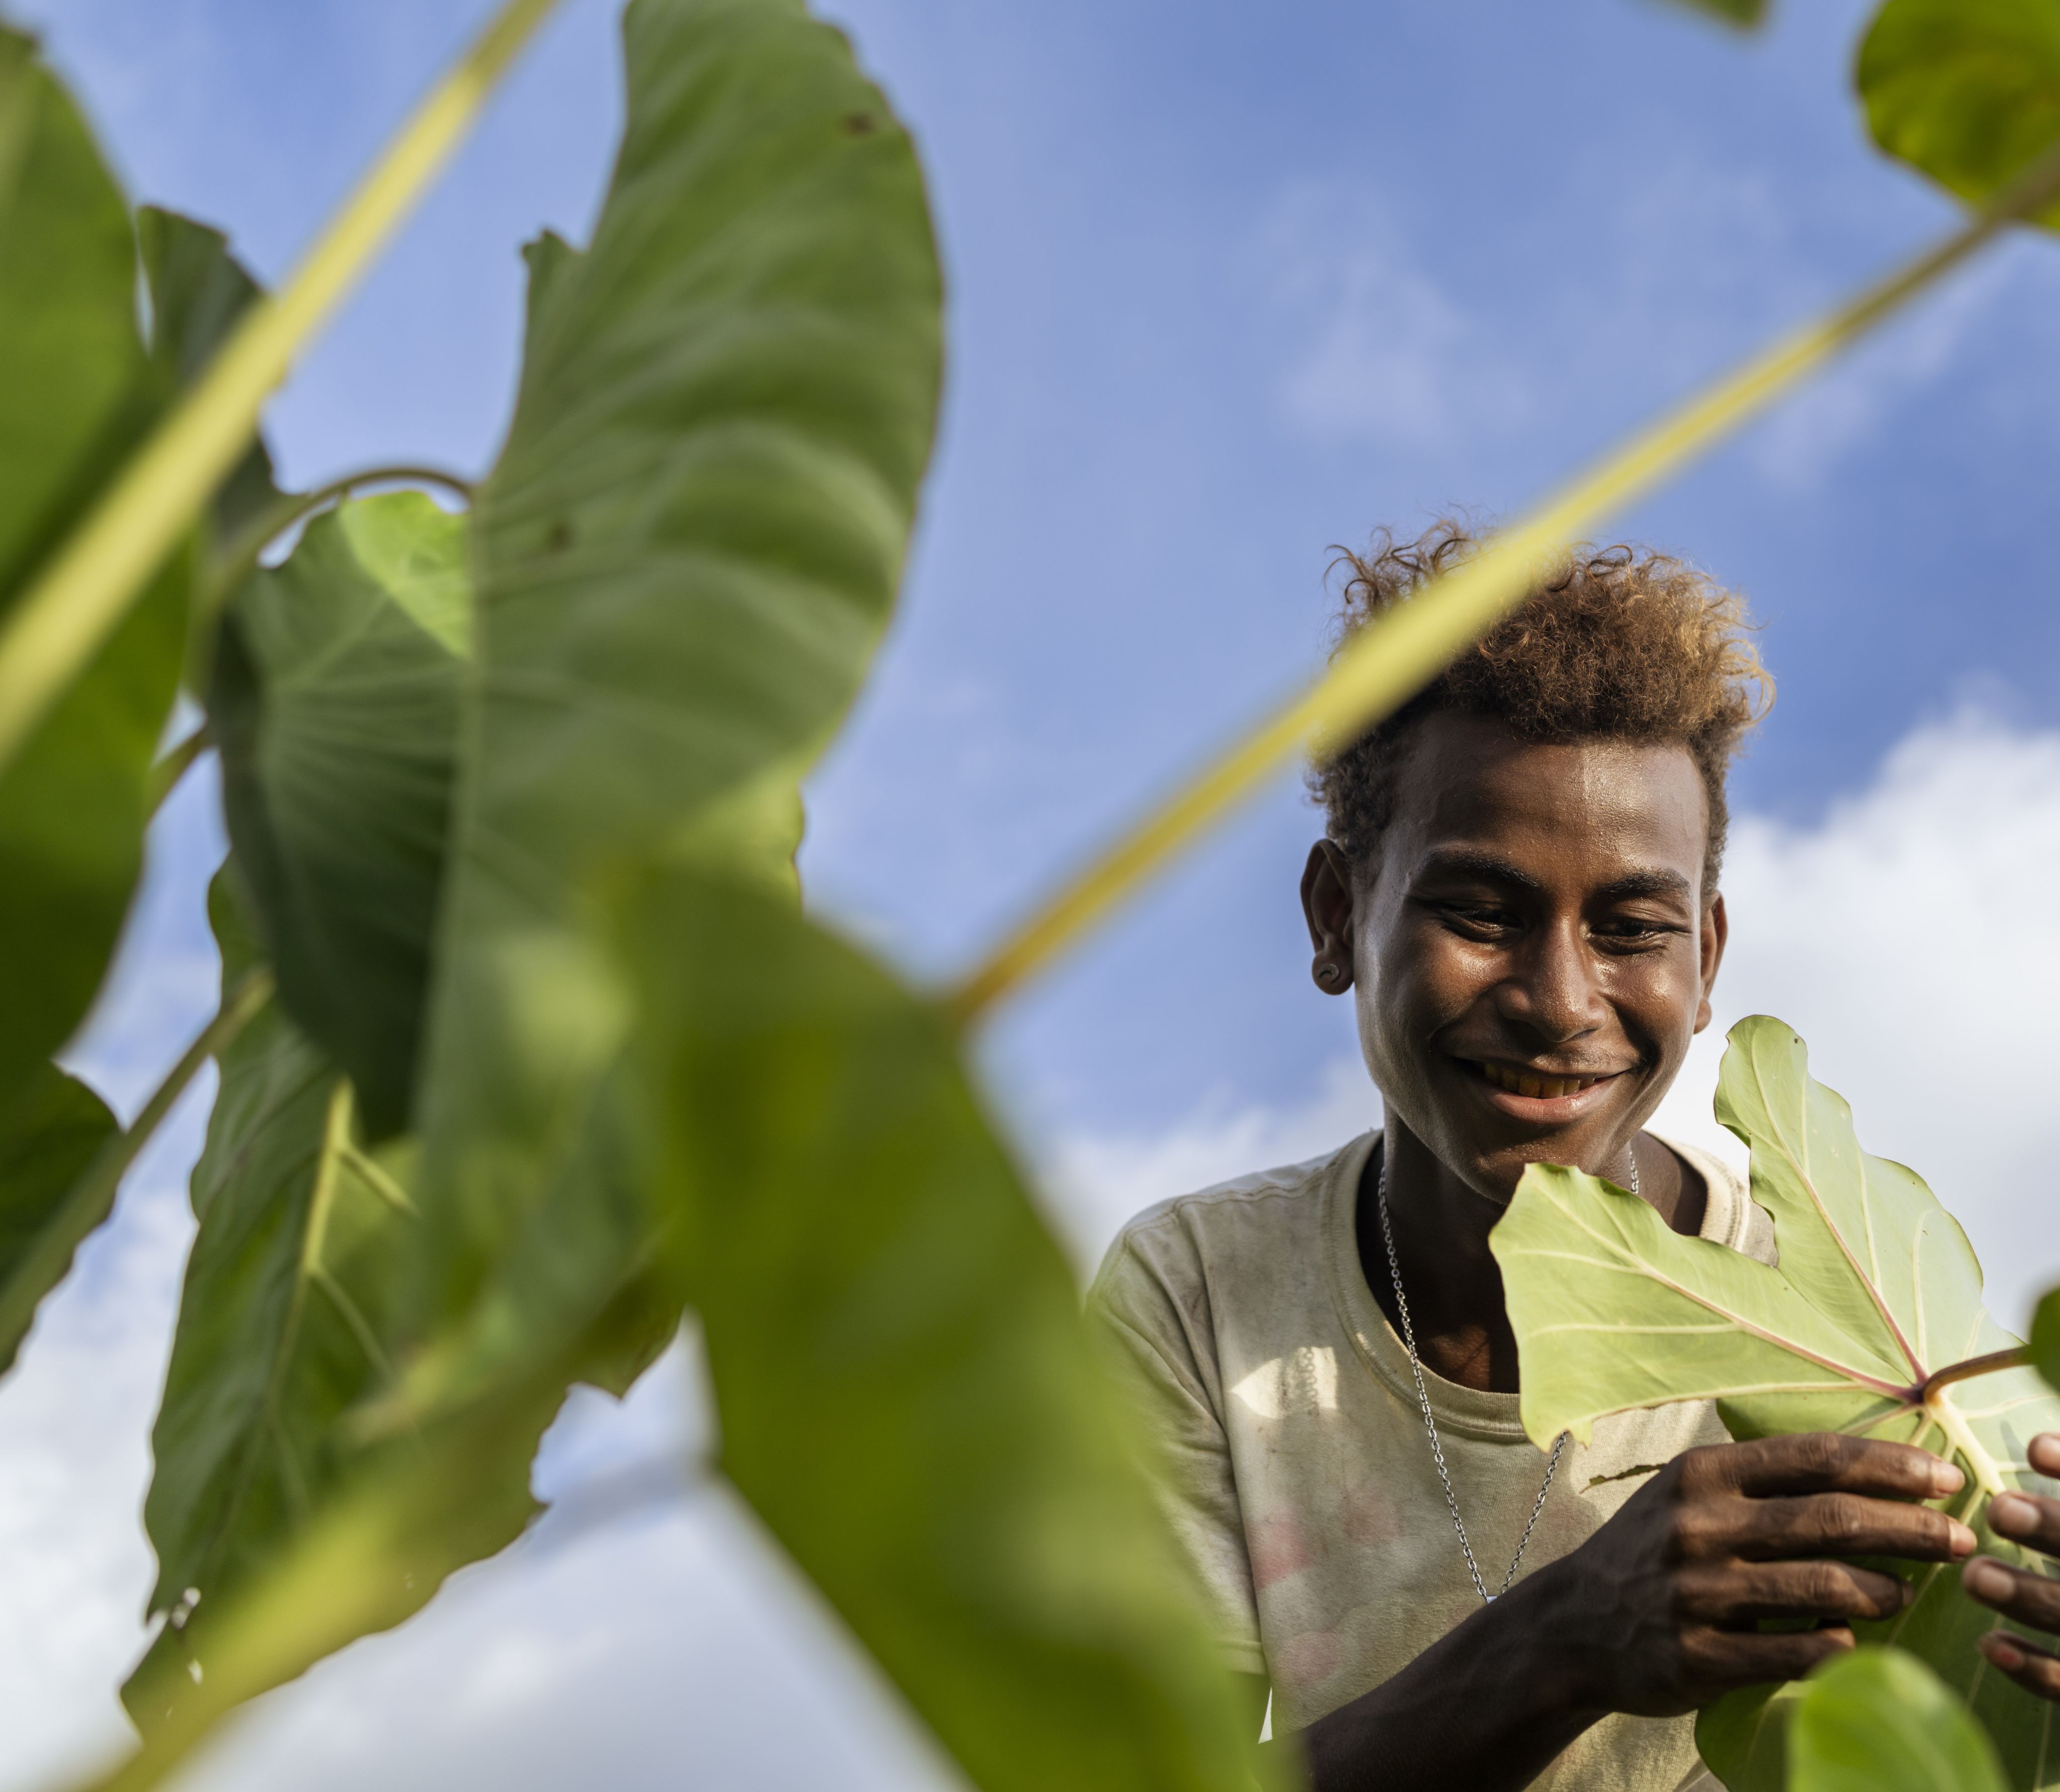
(1479, 920)
(1634, 931)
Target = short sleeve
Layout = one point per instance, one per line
(1154, 1350)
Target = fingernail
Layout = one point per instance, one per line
(1946, 1478)
(1986, 1579)
(2001, 1650)
(2012, 1512)
(1963, 1539)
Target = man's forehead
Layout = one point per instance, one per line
(1472, 788)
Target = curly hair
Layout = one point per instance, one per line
(1618, 643)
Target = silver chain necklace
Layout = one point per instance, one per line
(1430, 1424)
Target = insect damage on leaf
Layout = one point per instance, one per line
(1872, 1323)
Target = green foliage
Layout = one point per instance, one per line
(335, 705)
(1878, 1720)
(685, 560)
(886, 1317)
(51, 1132)
(1966, 91)
(1878, 1292)
(76, 391)
(284, 1320)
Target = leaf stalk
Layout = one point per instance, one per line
(1388, 662)
(2014, 1358)
(61, 621)
(240, 559)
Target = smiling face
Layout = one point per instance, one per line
(1530, 949)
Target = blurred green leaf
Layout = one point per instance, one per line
(76, 391)
(198, 291)
(2046, 1338)
(1966, 91)
(1878, 1720)
(1876, 1290)
(1748, 14)
(50, 1133)
(908, 1394)
(686, 556)
(283, 1320)
(335, 706)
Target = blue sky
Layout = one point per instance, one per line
(1229, 283)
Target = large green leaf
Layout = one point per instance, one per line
(283, 1320)
(198, 293)
(335, 705)
(76, 391)
(50, 1132)
(907, 1394)
(1878, 1291)
(1878, 1720)
(686, 557)
(1968, 91)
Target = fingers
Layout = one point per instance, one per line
(1824, 1462)
(2044, 1454)
(1733, 1593)
(2016, 1593)
(2032, 1669)
(2026, 1518)
(1742, 1657)
(1845, 1524)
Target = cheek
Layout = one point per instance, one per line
(1659, 996)
(1411, 984)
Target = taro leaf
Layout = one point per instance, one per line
(50, 1132)
(198, 293)
(335, 705)
(76, 393)
(907, 1391)
(1966, 91)
(1878, 1720)
(1877, 1291)
(282, 1322)
(686, 557)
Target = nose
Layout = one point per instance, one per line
(1553, 992)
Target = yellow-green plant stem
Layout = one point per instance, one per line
(89, 1200)
(62, 619)
(1386, 662)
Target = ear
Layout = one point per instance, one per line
(1716, 930)
(1326, 905)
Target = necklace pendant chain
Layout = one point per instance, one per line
(1430, 1423)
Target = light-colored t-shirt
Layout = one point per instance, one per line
(1298, 1480)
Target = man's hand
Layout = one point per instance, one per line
(2031, 1598)
(1657, 1612)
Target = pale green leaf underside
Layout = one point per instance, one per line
(1878, 1720)
(1877, 1288)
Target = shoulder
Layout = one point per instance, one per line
(1175, 1260)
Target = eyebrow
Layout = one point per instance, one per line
(1460, 862)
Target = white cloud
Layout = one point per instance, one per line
(1912, 936)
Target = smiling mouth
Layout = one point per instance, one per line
(1536, 1084)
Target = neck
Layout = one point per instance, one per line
(1441, 1226)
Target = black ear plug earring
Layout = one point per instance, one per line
(1329, 973)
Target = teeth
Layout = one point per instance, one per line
(1531, 1083)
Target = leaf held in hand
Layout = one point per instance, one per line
(1877, 1291)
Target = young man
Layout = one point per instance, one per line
(1520, 886)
